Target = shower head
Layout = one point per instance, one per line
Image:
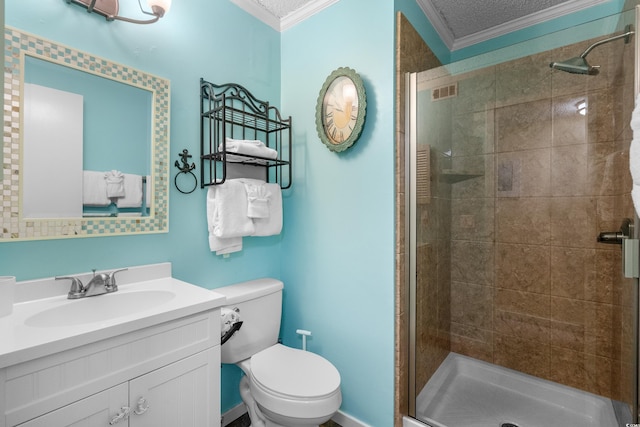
(579, 64)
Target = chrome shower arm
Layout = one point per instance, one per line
(626, 35)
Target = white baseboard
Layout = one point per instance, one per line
(347, 420)
(233, 414)
(340, 417)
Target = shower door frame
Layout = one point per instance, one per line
(410, 235)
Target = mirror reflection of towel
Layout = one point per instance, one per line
(115, 183)
(94, 189)
(132, 192)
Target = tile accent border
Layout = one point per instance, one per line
(15, 228)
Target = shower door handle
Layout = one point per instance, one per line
(617, 237)
(630, 247)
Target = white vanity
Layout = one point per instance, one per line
(146, 355)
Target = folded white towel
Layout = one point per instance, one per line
(115, 183)
(94, 189)
(220, 245)
(634, 156)
(257, 198)
(271, 225)
(250, 147)
(229, 213)
(132, 192)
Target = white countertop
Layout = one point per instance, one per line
(20, 342)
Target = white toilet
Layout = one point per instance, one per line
(282, 386)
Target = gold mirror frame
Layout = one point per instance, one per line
(15, 228)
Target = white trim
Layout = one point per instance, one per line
(412, 422)
(287, 21)
(347, 420)
(234, 413)
(252, 8)
(340, 417)
(304, 12)
(568, 7)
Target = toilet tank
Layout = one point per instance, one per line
(260, 306)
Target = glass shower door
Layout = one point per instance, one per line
(515, 170)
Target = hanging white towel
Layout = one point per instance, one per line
(230, 210)
(147, 192)
(634, 156)
(94, 189)
(271, 225)
(250, 147)
(132, 192)
(219, 245)
(257, 198)
(115, 183)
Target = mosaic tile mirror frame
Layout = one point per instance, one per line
(13, 227)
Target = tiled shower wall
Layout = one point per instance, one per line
(528, 165)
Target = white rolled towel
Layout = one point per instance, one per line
(250, 147)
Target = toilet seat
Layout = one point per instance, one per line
(294, 382)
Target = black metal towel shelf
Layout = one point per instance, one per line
(231, 111)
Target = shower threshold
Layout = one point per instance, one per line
(472, 393)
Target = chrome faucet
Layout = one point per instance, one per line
(99, 284)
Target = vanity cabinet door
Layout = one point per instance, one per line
(185, 393)
(94, 411)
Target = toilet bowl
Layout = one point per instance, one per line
(282, 386)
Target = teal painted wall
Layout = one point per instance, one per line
(338, 249)
(215, 40)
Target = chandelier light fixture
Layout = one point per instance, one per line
(110, 8)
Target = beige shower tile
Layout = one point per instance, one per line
(530, 357)
(568, 367)
(523, 80)
(523, 220)
(608, 166)
(473, 133)
(569, 120)
(476, 91)
(523, 126)
(569, 310)
(476, 187)
(481, 350)
(472, 304)
(523, 268)
(529, 328)
(569, 170)
(527, 303)
(524, 173)
(604, 116)
(472, 262)
(569, 214)
(573, 271)
(473, 219)
(567, 335)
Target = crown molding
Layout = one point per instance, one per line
(566, 8)
(287, 21)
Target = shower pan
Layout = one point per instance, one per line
(521, 313)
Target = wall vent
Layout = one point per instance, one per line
(444, 92)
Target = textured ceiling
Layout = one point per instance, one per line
(460, 23)
(466, 17)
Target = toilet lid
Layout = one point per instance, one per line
(294, 372)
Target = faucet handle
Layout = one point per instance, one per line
(77, 289)
(111, 283)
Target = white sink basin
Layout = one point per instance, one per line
(99, 308)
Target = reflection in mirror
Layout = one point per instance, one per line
(114, 123)
(124, 138)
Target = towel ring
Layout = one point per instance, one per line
(185, 168)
